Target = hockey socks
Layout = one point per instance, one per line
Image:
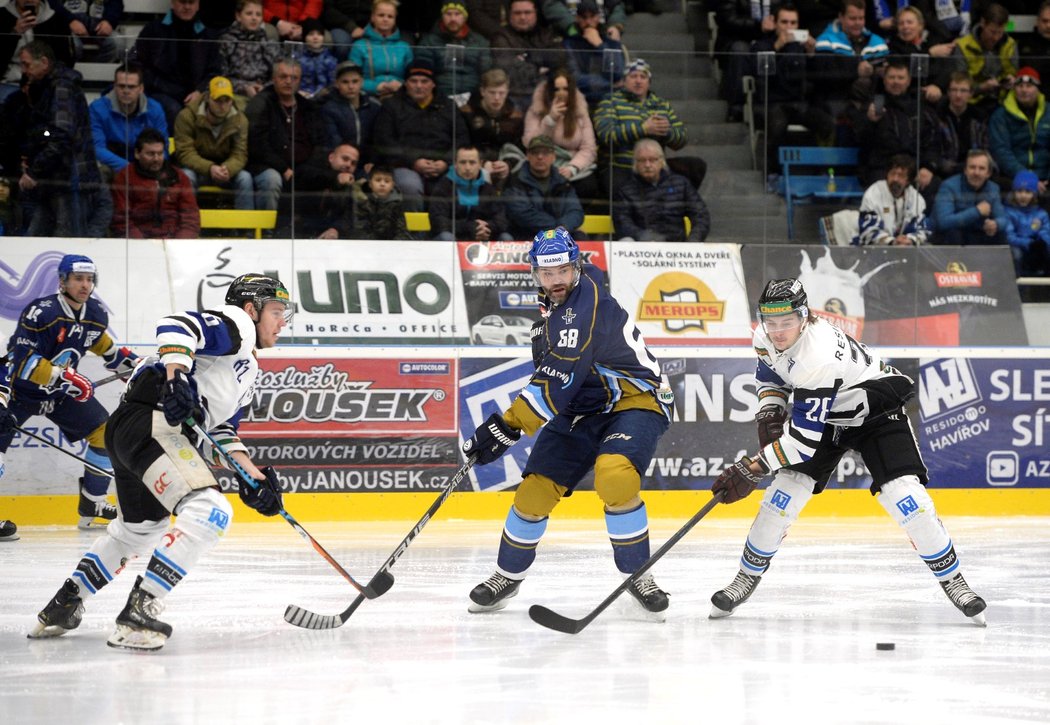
(95, 485)
(517, 546)
(629, 535)
(906, 500)
(201, 520)
(781, 504)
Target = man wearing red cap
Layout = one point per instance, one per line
(1019, 131)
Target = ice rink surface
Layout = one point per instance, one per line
(802, 650)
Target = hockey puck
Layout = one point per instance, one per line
(885, 646)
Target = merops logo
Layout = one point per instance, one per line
(681, 302)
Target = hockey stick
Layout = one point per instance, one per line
(60, 449)
(552, 620)
(309, 620)
(111, 378)
(377, 587)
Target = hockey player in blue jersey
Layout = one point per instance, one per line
(205, 369)
(596, 393)
(53, 335)
(822, 393)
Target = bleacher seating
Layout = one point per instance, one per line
(810, 187)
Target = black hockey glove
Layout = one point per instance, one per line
(770, 421)
(7, 420)
(180, 401)
(738, 481)
(491, 439)
(266, 498)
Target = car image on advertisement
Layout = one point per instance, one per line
(498, 330)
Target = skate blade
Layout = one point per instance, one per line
(12, 537)
(89, 523)
(137, 640)
(476, 608)
(717, 613)
(979, 619)
(46, 631)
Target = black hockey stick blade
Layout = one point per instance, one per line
(383, 579)
(559, 623)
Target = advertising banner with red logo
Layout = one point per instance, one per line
(929, 295)
(338, 424)
(682, 294)
(501, 297)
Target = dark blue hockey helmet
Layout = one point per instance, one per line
(76, 263)
(553, 248)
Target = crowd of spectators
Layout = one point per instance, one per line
(495, 117)
(944, 104)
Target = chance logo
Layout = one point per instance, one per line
(946, 385)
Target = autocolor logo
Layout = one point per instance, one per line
(424, 368)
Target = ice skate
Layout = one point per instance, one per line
(62, 614)
(650, 597)
(94, 514)
(8, 530)
(728, 599)
(137, 625)
(965, 599)
(492, 594)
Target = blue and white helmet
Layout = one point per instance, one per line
(76, 263)
(553, 248)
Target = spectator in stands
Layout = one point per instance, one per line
(559, 112)
(654, 202)
(989, 55)
(179, 57)
(284, 129)
(464, 205)
(415, 132)
(968, 209)
(211, 143)
(846, 55)
(494, 123)
(22, 21)
(381, 52)
(317, 61)
(611, 13)
(326, 206)
(48, 144)
(892, 211)
(151, 198)
(458, 54)
(526, 50)
(788, 86)
(594, 53)
(288, 16)
(486, 16)
(348, 114)
(740, 24)
(118, 117)
(1027, 227)
(1019, 130)
(896, 123)
(537, 198)
(909, 39)
(1034, 48)
(346, 21)
(247, 50)
(945, 20)
(95, 20)
(633, 113)
(960, 128)
(378, 211)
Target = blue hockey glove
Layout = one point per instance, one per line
(120, 359)
(491, 439)
(180, 401)
(266, 498)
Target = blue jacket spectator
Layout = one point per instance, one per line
(968, 209)
(381, 53)
(118, 118)
(653, 203)
(846, 52)
(538, 199)
(1028, 227)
